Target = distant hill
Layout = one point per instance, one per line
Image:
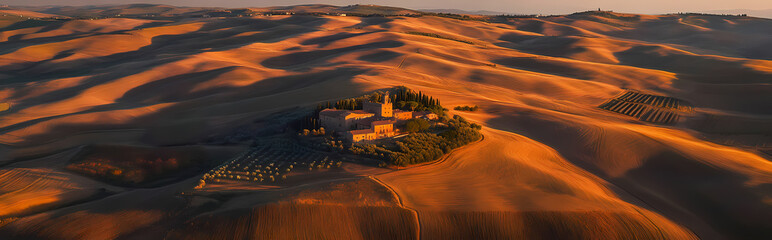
(459, 11)
(763, 13)
(24, 13)
(113, 10)
(160, 10)
(350, 9)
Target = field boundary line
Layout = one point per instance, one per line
(401, 204)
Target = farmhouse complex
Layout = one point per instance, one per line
(376, 120)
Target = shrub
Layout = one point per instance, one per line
(423, 147)
(466, 108)
(136, 166)
(416, 125)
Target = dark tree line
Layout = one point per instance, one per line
(409, 100)
(397, 94)
(709, 14)
(467, 108)
(405, 94)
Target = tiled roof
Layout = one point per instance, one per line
(366, 121)
(333, 112)
(363, 131)
(360, 112)
(341, 113)
(382, 122)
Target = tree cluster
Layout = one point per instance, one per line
(518, 15)
(466, 108)
(313, 132)
(423, 147)
(458, 16)
(461, 132)
(608, 14)
(709, 14)
(402, 93)
(370, 150)
(135, 166)
(417, 125)
(409, 100)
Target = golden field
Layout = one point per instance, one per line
(551, 164)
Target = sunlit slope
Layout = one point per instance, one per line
(360, 209)
(39, 185)
(107, 217)
(111, 10)
(550, 157)
(31, 190)
(668, 169)
(499, 187)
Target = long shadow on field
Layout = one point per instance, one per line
(105, 218)
(26, 24)
(289, 61)
(327, 40)
(16, 42)
(702, 69)
(380, 56)
(346, 209)
(545, 66)
(382, 22)
(217, 35)
(194, 105)
(555, 46)
(214, 36)
(708, 81)
(359, 208)
(674, 185)
(719, 197)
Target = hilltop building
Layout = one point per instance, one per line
(425, 115)
(381, 110)
(375, 121)
(341, 120)
(402, 115)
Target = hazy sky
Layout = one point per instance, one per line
(510, 6)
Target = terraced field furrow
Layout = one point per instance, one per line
(648, 107)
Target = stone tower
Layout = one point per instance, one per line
(382, 109)
(386, 106)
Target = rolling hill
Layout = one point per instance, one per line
(552, 164)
